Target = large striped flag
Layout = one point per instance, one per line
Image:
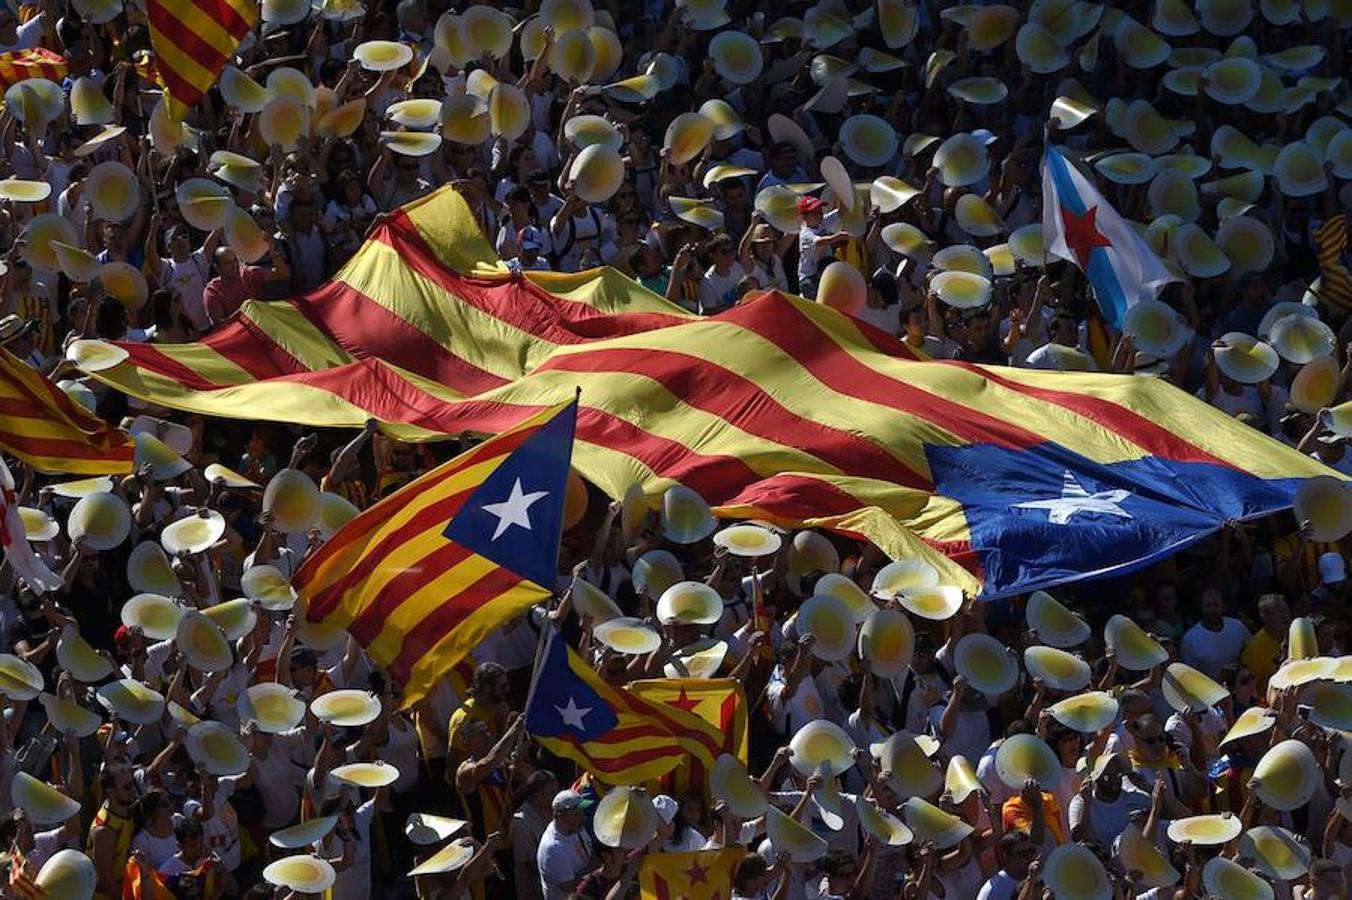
(193, 40)
(706, 716)
(38, 62)
(48, 430)
(573, 713)
(701, 875)
(777, 409)
(426, 574)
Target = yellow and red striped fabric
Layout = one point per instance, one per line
(193, 40)
(779, 409)
(416, 600)
(48, 430)
(20, 65)
(21, 884)
(700, 875)
(706, 716)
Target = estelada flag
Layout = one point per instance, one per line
(421, 578)
(707, 717)
(701, 875)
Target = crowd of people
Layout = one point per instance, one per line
(172, 727)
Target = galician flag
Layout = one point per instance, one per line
(1079, 225)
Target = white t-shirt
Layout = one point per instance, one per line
(221, 830)
(278, 777)
(804, 706)
(999, 887)
(188, 279)
(1109, 819)
(29, 33)
(718, 292)
(811, 249)
(1210, 651)
(561, 858)
(158, 850)
(971, 733)
(354, 882)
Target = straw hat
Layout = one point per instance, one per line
(235, 618)
(1060, 670)
(1073, 872)
(36, 102)
(38, 525)
(1127, 168)
(730, 783)
(787, 836)
(637, 89)
(1146, 130)
(987, 664)
(74, 490)
(1339, 152)
(19, 679)
(961, 290)
(1288, 776)
(465, 120)
(303, 874)
(335, 511)
(890, 194)
(285, 12)
(1087, 713)
(1002, 260)
(736, 56)
(573, 56)
(930, 823)
(193, 534)
(1026, 244)
(293, 499)
(749, 541)
(43, 804)
(832, 623)
(1173, 193)
(1024, 756)
(217, 749)
(607, 52)
(367, 774)
(976, 217)
(67, 875)
(906, 240)
(689, 603)
(1245, 359)
(343, 121)
(820, 743)
(843, 288)
(1173, 18)
(304, 834)
(597, 173)
(283, 121)
(1331, 704)
(274, 708)
(1278, 852)
(1254, 720)
(69, 717)
(1300, 171)
(448, 859)
(686, 518)
(962, 160)
(1233, 80)
(102, 519)
(1139, 47)
(165, 462)
(1188, 689)
(655, 571)
(113, 191)
(41, 233)
(383, 56)
(886, 642)
(904, 762)
(1247, 242)
(1297, 59)
(810, 551)
(485, 29)
(960, 779)
(203, 203)
(1301, 339)
(1300, 639)
(880, 824)
(410, 143)
(1039, 49)
(702, 659)
(687, 136)
(1225, 878)
(124, 282)
(156, 616)
(131, 700)
(1224, 18)
(625, 818)
(1155, 327)
(21, 191)
(268, 586)
(627, 635)
(425, 829)
(1135, 649)
(1337, 420)
(898, 22)
(584, 131)
(592, 602)
(241, 92)
(76, 656)
(1139, 854)
(203, 644)
(990, 26)
(981, 91)
(846, 591)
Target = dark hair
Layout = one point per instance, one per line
(187, 827)
(850, 690)
(885, 283)
(484, 675)
(835, 861)
(110, 322)
(539, 780)
(748, 870)
(144, 809)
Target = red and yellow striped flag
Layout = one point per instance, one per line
(21, 884)
(193, 40)
(51, 432)
(701, 875)
(20, 65)
(707, 716)
(422, 577)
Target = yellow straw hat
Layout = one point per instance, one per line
(980, 91)
(905, 575)
(1073, 872)
(156, 616)
(961, 290)
(410, 143)
(245, 237)
(584, 131)
(1173, 193)
(1339, 419)
(904, 762)
(1301, 339)
(689, 603)
(1339, 153)
(67, 875)
(1002, 260)
(1139, 854)
(886, 642)
(831, 622)
(890, 194)
(283, 121)
(102, 519)
(465, 120)
(809, 552)
(962, 160)
(268, 586)
(40, 235)
(821, 743)
(655, 571)
(898, 22)
(1288, 776)
(625, 818)
(930, 823)
(592, 602)
(335, 511)
(69, 717)
(165, 462)
(1127, 168)
(907, 240)
(935, 602)
(235, 618)
(1247, 242)
(842, 287)
(788, 836)
(113, 191)
(597, 173)
(293, 499)
(367, 774)
(75, 490)
(274, 708)
(1224, 18)
(987, 663)
(1174, 18)
(1039, 49)
(425, 829)
(702, 659)
(203, 203)
(1244, 358)
(285, 12)
(573, 56)
(131, 700)
(38, 525)
(737, 57)
(749, 541)
(1135, 649)
(99, 140)
(686, 518)
(607, 52)
(976, 217)
(236, 170)
(880, 824)
(960, 779)
(21, 191)
(203, 643)
(303, 874)
(1254, 720)
(1059, 670)
(843, 589)
(217, 749)
(19, 679)
(76, 656)
(1024, 756)
(1232, 80)
(124, 282)
(1139, 47)
(448, 859)
(1188, 689)
(1326, 503)
(241, 92)
(730, 783)
(1155, 327)
(383, 56)
(1226, 878)
(36, 102)
(687, 136)
(193, 534)
(1278, 852)
(230, 477)
(1300, 171)
(485, 29)
(1146, 130)
(43, 804)
(1087, 713)
(1331, 704)
(627, 635)
(1301, 642)
(343, 121)
(1026, 244)
(508, 111)
(990, 26)
(300, 836)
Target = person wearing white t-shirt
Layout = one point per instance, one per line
(792, 694)
(1216, 641)
(564, 854)
(14, 36)
(1014, 852)
(185, 271)
(220, 825)
(1103, 806)
(817, 239)
(718, 285)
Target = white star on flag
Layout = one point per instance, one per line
(572, 714)
(513, 510)
(1075, 499)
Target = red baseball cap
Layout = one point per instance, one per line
(808, 204)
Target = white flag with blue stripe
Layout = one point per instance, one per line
(1079, 225)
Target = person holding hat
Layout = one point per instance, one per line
(29, 295)
(761, 253)
(718, 285)
(818, 239)
(1102, 807)
(1264, 649)
(185, 269)
(235, 282)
